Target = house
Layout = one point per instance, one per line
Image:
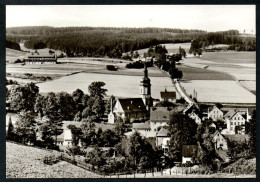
(127, 109)
(66, 137)
(235, 122)
(36, 58)
(188, 151)
(219, 141)
(144, 129)
(215, 113)
(168, 96)
(163, 139)
(159, 116)
(190, 108)
(195, 116)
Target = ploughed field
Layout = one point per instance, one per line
(228, 77)
(26, 162)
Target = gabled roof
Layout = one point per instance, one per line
(132, 104)
(212, 107)
(168, 95)
(231, 113)
(160, 114)
(190, 108)
(144, 126)
(237, 137)
(163, 132)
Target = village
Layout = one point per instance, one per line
(130, 91)
(149, 119)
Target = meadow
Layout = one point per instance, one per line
(26, 162)
(117, 85)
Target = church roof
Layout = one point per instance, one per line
(132, 104)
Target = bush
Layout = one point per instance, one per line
(17, 61)
(111, 68)
(51, 159)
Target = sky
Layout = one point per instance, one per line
(203, 17)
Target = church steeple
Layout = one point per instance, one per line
(145, 87)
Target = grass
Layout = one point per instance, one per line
(14, 53)
(26, 162)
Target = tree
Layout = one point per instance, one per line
(88, 130)
(22, 97)
(96, 90)
(206, 154)
(26, 127)
(135, 148)
(76, 134)
(77, 97)
(10, 130)
(108, 104)
(251, 130)
(120, 126)
(182, 132)
(98, 107)
(97, 157)
(66, 106)
(182, 51)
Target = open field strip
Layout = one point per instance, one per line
(222, 91)
(26, 162)
(117, 85)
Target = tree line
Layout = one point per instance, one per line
(231, 38)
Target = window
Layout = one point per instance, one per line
(231, 123)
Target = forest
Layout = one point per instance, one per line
(113, 42)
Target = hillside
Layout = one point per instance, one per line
(26, 162)
(14, 53)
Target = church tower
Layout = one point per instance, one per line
(145, 88)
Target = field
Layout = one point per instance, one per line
(117, 85)
(195, 73)
(221, 91)
(26, 162)
(239, 66)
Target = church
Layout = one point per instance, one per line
(130, 109)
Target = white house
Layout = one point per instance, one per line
(195, 116)
(215, 113)
(163, 139)
(159, 117)
(188, 151)
(144, 129)
(219, 141)
(234, 119)
(66, 137)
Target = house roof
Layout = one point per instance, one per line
(160, 114)
(40, 55)
(237, 137)
(132, 104)
(67, 123)
(190, 108)
(168, 95)
(231, 113)
(163, 132)
(189, 150)
(140, 126)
